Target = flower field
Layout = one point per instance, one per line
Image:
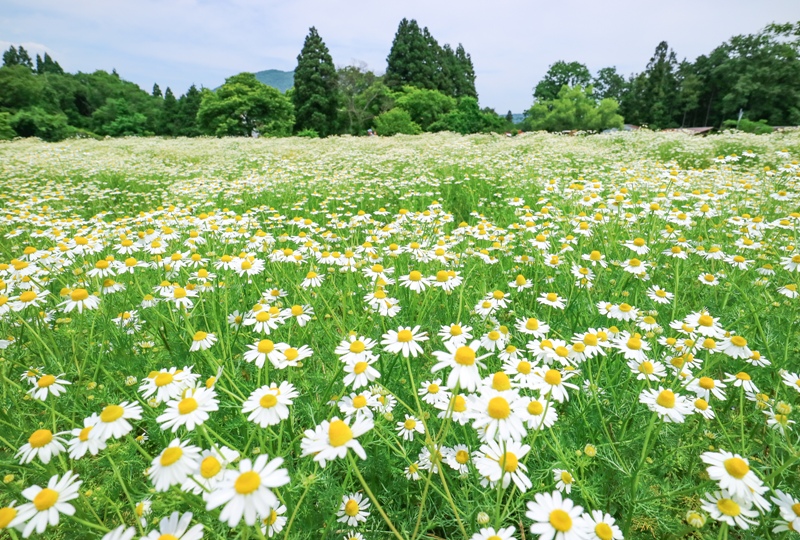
(437, 337)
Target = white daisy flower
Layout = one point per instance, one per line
(47, 385)
(556, 518)
(42, 444)
(503, 462)
(407, 428)
(464, 362)
(176, 527)
(268, 405)
(82, 442)
(353, 510)
(331, 440)
(113, 422)
(669, 406)
(733, 473)
(191, 410)
(80, 299)
(174, 464)
(405, 341)
(47, 504)
(730, 509)
(202, 341)
(248, 493)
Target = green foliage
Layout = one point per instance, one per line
(37, 122)
(573, 109)
(424, 106)
(417, 59)
(396, 121)
(168, 120)
(467, 117)
(117, 119)
(315, 87)
(363, 96)
(243, 106)
(6, 130)
(186, 118)
(308, 133)
(558, 75)
(609, 84)
(748, 126)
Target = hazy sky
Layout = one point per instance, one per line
(512, 42)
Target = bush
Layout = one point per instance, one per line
(308, 133)
(748, 126)
(396, 121)
(6, 131)
(36, 122)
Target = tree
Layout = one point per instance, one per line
(118, 118)
(465, 77)
(363, 96)
(411, 60)
(424, 106)
(10, 57)
(6, 131)
(156, 91)
(37, 122)
(47, 65)
(573, 109)
(510, 117)
(168, 122)
(23, 58)
(609, 84)
(558, 75)
(244, 106)
(396, 121)
(188, 106)
(315, 90)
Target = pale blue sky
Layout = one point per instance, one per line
(512, 42)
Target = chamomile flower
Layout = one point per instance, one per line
(174, 464)
(659, 295)
(705, 387)
(433, 392)
(669, 406)
(742, 380)
(533, 327)
(602, 526)
(47, 504)
(113, 422)
(457, 334)
(167, 384)
(42, 444)
(355, 348)
(331, 439)
(202, 341)
(494, 417)
(730, 509)
(247, 494)
(82, 442)
(212, 469)
(733, 473)
(360, 372)
(503, 462)
(191, 410)
(464, 363)
(552, 382)
(415, 281)
(48, 385)
(409, 427)
(80, 299)
(259, 351)
(552, 299)
(556, 518)
(405, 341)
(353, 510)
(563, 480)
(268, 405)
(490, 533)
(287, 356)
(120, 533)
(176, 527)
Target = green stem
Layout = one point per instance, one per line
(372, 497)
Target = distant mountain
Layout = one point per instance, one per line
(518, 117)
(282, 80)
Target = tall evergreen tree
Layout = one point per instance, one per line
(169, 114)
(23, 58)
(188, 105)
(410, 60)
(465, 76)
(10, 57)
(156, 90)
(315, 87)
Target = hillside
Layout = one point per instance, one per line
(282, 80)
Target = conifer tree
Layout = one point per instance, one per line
(315, 96)
(412, 59)
(156, 90)
(169, 114)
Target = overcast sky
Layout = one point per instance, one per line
(512, 42)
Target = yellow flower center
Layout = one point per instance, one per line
(736, 467)
(171, 455)
(532, 324)
(187, 405)
(45, 499)
(552, 297)
(739, 341)
(404, 336)
(351, 508)
(415, 275)
(79, 295)
(40, 438)
(268, 401)
(742, 376)
(111, 413)
(179, 293)
(552, 377)
(247, 483)
(455, 330)
(509, 462)
(625, 308)
(465, 356)
(701, 404)
(524, 367)
(359, 402)
(460, 404)
(209, 467)
(603, 531)
(291, 354)
(297, 311)
(410, 424)
(728, 507)
(499, 408)
(357, 347)
(646, 367)
(7, 514)
(500, 381)
(265, 346)
(560, 520)
(666, 399)
(360, 368)
(339, 433)
(47, 380)
(163, 379)
(27, 296)
(566, 477)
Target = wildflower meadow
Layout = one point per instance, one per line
(433, 337)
